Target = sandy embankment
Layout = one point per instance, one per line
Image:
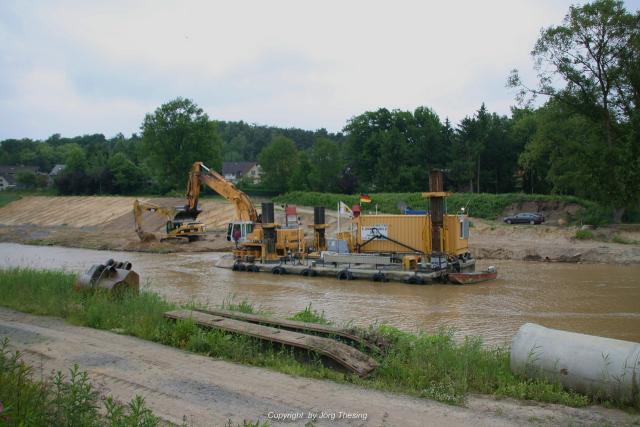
(107, 223)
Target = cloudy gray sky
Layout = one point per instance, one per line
(76, 67)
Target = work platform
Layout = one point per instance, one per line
(344, 271)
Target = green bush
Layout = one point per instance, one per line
(310, 315)
(584, 234)
(60, 400)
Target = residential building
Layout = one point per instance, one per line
(8, 176)
(54, 173)
(236, 171)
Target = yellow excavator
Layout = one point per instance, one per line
(181, 225)
(258, 236)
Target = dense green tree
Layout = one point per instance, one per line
(177, 134)
(27, 179)
(394, 150)
(326, 165)
(74, 157)
(589, 64)
(300, 178)
(244, 141)
(279, 161)
(127, 177)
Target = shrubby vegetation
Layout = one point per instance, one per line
(61, 399)
(583, 140)
(482, 205)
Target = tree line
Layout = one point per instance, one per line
(576, 131)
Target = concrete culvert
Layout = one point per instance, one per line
(597, 366)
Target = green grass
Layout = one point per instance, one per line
(310, 315)
(7, 197)
(63, 400)
(623, 241)
(584, 234)
(483, 205)
(427, 365)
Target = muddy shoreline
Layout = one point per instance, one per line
(106, 223)
(488, 241)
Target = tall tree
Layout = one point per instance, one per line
(326, 165)
(279, 161)
(590, 64)
(394, 150)
(177, 134)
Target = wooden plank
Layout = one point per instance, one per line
(293, 325)
(343, 354)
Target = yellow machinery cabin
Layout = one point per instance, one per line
(410, 234)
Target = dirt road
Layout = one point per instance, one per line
(180, 386)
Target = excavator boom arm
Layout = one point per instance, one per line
(200, 174)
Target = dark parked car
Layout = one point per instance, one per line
(524, 218)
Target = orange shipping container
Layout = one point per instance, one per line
(411, 233)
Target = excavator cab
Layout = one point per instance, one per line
(244, 227)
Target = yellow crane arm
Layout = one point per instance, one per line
(245, 210)
(139, 207)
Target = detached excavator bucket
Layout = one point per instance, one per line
(113, 276)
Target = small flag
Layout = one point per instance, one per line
(343, 209)
(364, 198)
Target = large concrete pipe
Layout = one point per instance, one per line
(597, 366)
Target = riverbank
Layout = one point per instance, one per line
(538, 292)
(425, 366)
(106, 223)
(432, 366)
(181, 387)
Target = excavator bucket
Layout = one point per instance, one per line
(113, 276)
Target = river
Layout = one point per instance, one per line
(598, 299)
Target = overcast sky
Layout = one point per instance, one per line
(97, 67)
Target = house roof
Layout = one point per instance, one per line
(57, 169)
(9, 172)
(237, 168)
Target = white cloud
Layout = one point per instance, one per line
(79, 67)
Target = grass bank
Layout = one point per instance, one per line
(434, 366)
(483, 205)
(7, 197)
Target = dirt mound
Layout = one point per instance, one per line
(109, 214)
(105, 223)
(75, 211)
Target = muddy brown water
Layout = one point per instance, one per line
(597, 299)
